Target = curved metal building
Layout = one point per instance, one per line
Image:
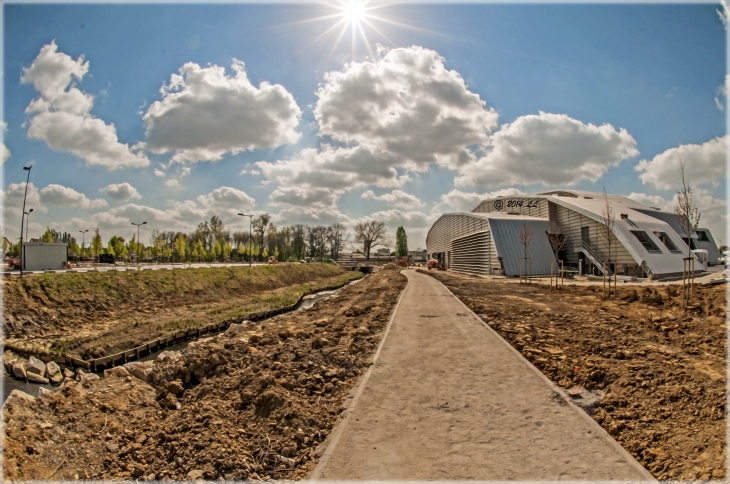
(501, 234)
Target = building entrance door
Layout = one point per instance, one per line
(585, 234)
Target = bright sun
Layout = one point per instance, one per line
(354, 11)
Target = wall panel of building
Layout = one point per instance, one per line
(471, 253)
(451, 226)
(534, 207)
(571, 223)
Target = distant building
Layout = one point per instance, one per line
(648, 242)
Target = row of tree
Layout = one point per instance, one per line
(211, 241)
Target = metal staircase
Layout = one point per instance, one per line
(592, 255)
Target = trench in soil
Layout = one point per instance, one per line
(10, 383)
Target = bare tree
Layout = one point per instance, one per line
(608, 226)
(556, 238)
(369, 234)
(525, 237)
(338, 238)
(688, 215)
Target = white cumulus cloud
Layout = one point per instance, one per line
(60, 196)
(305, 196)
(121, 192)
(396, 197)
(407, 104)
(396, 114)
(459, 201)
(721, 97)
(227, 198)
(4, 152)
(704, 164)
(552, 149)
(204, 114)
(61, 116)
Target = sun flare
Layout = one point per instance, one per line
(354, 11)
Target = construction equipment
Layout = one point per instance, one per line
(403, 261)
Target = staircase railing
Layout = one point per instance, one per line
(593, 256)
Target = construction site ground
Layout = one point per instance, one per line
(261, 400)
(659, 369)
(93, 315)
(255, 402)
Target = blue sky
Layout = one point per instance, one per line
(587, 96)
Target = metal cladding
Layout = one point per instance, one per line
(508, 240)
(644, 242)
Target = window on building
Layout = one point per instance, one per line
(646, 241)
(666, 241)
(702, 236)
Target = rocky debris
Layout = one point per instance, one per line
(117, 371)
(648, 371)
(140, 369)
(8, 359)
(236, 330)
(36, 366)
(67, 373)
(36, 378)
(19, 369)
(54, 372)
(42, 392)
(85, 378)
(19, 398)
(222, 409)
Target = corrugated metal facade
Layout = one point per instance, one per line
(472, 254)
(506, 234)
(450, 226)
(571, 224)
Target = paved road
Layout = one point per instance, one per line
(449, 399)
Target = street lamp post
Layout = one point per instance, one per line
(137, 248)
(83, 235)
(27, 219)
(250, 218)
(22, 219)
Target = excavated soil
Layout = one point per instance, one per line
(93, 315)
(656, 370)
(256, 402)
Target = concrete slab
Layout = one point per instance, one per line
(448, 399)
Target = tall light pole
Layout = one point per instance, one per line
(136, 251)
(250, 218)
(27, 224)
(22, 220)
(83, 235)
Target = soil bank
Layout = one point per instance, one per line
(255, 402)
(96, 314)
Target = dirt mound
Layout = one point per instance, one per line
(45, 303)
(256, 402)
(657, 370)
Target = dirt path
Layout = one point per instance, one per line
(448, 399)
